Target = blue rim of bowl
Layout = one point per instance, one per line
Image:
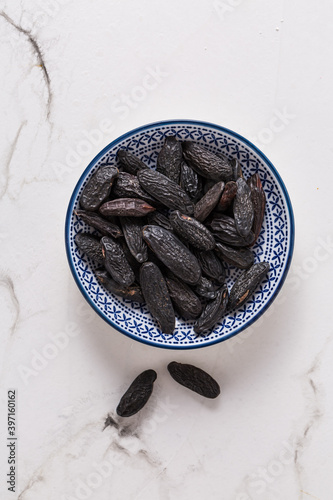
(173, 123)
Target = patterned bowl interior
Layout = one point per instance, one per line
(275, 243)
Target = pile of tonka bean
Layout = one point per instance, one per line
(168, 234)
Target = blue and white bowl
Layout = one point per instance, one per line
(275, 243)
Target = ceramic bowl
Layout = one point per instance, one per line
(275, 243)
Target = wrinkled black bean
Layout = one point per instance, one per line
(211, 266)
(132, 292)
(242, 258)
(128, 186)
(206, 163)
(137, 394)
(115, 262)
(155, 292)
(126, 207)
(129, 162)
(206, 288)
(104, 226)
(166, 191)
(190, 181)
(227, 197)
(135, 265)
(236, 169)
(246, 284)
(186, 303)
(173, 253)
(208, 202)
(243, 208)
(98, 187)
(192, 231)
(132, 229)
(195, 379)
(213, 312)
(91, 246)
(258, 198)
(224, 229)
(158, 219)
(170, 158)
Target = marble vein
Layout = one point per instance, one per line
(309, 494)
(41, 472)
(123, 430)
(10, 157)
(7, 282)
(315, 414)
(31, 483)
(110, 422)
(37, 51)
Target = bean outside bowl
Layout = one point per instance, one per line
(275, 243)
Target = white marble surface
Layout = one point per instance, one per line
(74, 76)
